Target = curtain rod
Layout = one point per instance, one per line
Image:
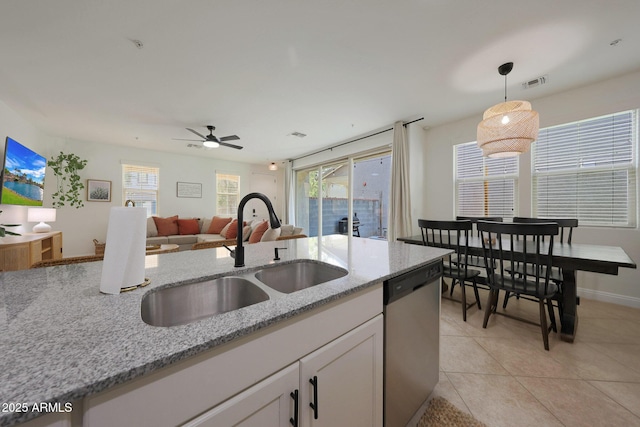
(353, 140)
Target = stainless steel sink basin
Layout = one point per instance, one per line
(187, 303)
(299, 275)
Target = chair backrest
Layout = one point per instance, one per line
(533, 247)
(474, 220)
(566, 225)
(449, 234)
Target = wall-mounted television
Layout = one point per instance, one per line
(22, 175)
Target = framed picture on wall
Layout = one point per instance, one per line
(98, 190)
(189, 189)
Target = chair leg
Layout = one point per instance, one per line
(506, 300)
(493, 298)
(464, 300)
(543, 325)
(552, 316)
(453, 284)
(477, 295)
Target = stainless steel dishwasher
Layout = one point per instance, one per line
(411, 341)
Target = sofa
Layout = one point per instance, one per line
(185, 232)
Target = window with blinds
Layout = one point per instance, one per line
(587, 170)
(484, 186)
(140, 184)
(228, 194)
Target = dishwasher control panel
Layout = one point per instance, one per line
(406, 283)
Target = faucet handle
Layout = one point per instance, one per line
(231, 251)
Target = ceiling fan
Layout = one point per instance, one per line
(212, 141)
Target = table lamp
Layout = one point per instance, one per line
(41, 215)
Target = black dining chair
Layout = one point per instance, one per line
(474, 260)
(454, 235)
(508, 244)
(565, 227)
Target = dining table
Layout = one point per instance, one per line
(570, 258)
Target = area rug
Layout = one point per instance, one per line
(441, 413)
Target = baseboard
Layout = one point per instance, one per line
(609, 297)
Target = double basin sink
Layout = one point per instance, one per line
(187, 303)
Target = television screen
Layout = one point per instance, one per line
(22, 175)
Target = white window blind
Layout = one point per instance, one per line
(484, 186)
(228, 194)
(140, 184)
(587, 170)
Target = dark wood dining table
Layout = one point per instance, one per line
(570, 258)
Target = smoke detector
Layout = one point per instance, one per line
(536, 82)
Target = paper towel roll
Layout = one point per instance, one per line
(124, 249)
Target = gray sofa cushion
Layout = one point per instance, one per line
(183, 239)
(159, 240)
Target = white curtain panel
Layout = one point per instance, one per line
(289, 189)
(400, 206)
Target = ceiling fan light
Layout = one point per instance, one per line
(211, 144)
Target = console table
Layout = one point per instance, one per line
(21, 252)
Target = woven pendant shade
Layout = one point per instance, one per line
(507, 129)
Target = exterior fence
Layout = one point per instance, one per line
(373, 222)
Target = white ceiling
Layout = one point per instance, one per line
(262, 69)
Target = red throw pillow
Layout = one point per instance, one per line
(257, 233)
(217, 224)
(188, 226)
(232, 231)
(166, 226)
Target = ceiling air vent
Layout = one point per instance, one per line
(298, 134)
(194, 145)
(536, 82)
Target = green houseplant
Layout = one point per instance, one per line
(65, 168)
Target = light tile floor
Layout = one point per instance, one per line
(503, 376)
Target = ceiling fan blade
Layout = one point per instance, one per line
(182, 139)
(200, 135)
(229, 138)
(237, 147)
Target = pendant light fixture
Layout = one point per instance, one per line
(507, 129)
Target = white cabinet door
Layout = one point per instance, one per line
(348, 380)
(268, 403)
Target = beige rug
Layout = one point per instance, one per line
(441, 413)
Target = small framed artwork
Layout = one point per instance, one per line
(98, 190)
(189, 189)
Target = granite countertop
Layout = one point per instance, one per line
(63, 340)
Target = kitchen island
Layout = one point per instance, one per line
(64, 343)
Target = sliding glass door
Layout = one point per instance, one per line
(322, 197)
(371, 187)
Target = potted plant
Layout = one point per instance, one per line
(65, 168)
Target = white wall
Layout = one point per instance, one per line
(81, 226)
(437, 191)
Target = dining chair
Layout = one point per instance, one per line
(454, 235)
(565, 227)
(474, 260)
(508, 244)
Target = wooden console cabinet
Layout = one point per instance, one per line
(21, 252)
